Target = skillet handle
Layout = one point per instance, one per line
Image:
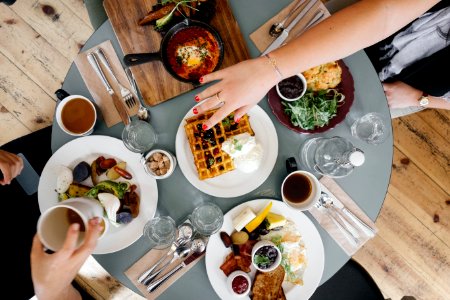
(140, 58)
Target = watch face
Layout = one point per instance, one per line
(424, 101)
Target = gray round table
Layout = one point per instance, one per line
(367, 185)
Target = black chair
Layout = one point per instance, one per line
(351, 282)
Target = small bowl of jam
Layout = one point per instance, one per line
(239, 283)
(292, 88)
(266, 256)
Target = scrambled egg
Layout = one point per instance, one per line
(192, 56)
(326, 76)
(293, 251)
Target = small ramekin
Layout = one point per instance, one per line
(303, 80)
(261, 244)
(230, 279)
(172, 159)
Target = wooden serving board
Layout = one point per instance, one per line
(155, 83)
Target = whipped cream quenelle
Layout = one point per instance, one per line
(246, 153)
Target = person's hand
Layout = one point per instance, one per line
(11, 165)
(241, 86)
(52, 274)
(400, 94)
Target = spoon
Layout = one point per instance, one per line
(363, 226)
(277, 28)
(198, 246)
(348, 235)
(327, 202)
(143, 112)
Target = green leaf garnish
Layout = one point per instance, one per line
(314, 109)
(261, 260)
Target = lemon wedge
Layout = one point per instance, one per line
(259, 218)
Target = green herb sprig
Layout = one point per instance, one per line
(314, 109)
(164, 20)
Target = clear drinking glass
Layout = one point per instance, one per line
(161, 231)
(207, 218)
(371, 128)
(139, 136)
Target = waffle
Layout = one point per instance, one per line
(206, 146)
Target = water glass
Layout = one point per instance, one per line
(370, 128)
(139, 136)
(161, 231)
(207, 218)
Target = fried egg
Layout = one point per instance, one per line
(293, 251)
(192, 56)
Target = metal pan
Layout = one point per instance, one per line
(162, 55)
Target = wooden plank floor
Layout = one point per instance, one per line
(409, 257)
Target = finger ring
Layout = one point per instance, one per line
(218, 98)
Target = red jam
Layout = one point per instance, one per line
(239, 284)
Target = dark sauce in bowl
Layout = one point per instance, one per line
(292, 87)
(240, 284)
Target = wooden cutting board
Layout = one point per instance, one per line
(155, 83)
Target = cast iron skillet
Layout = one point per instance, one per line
(140, 58)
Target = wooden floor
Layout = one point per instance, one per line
(410, 255)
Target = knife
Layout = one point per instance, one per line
(156, 284)
(118, 103)
(285, 33)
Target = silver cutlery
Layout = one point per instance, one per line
(126, 94)
(119, 105)
(314, 20)
(277, 28)
(285, 33)
(143, 112)
(172, 249)
(350, 238)
(198, 247)
(327, 202)
(180, 252)
(366, 229)
(185, 233)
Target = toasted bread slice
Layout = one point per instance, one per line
(267, 285)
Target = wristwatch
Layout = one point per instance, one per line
(423, 100)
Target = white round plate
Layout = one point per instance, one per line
(234, 183)
(88, 149)
(216, 251)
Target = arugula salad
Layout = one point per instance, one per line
(314, 109)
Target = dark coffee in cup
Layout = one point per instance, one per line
(300, 190)
(297, 188)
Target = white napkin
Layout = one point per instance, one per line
(342, 199)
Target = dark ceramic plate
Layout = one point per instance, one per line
(346, 87)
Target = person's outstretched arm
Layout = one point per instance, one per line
(400, 95)
(52, 274)
(360, 25)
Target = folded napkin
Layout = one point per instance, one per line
(340, 199)
(148, 260)
(261, 37)
(95, 86)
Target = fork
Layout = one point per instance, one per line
(126, 94)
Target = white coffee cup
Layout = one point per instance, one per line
(295, 187)
(53, 223)
(80, 120)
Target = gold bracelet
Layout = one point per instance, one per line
(274, 65)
